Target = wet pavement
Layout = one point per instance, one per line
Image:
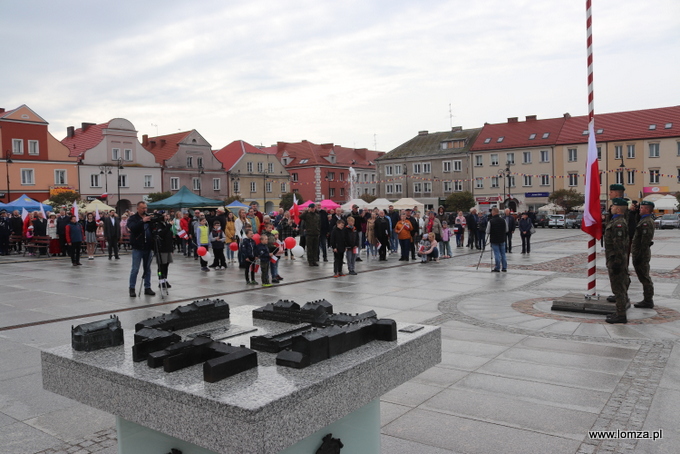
(514, 377)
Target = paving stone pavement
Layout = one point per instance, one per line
(514, 377)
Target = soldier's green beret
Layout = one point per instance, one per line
(616, 187)
(647, 203)
(620, 202)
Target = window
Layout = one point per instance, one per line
(60, 177)
(618, 151)
(427, 167)
(510, 158)
(511, 181)
(631, 177)
(599, 153)
(27, 176)
(417, 188)
(631, 151)
(115, 154)
(33, 147)
(331, 192)
(479, 160)
(654, 176)
(174, 184)
(217, 184)
(270, 167)
(653, 150)
(678, 144)
(479, 183)
(500, 139)
(573, 179)
(365, 177)
(295, 176)
(545, 156)
(447, 186)
(196, 183)
(372, 191)
(236, 186)
(398, 188)
(494, 182)
(545, 180)
(128, 155)
(487, 140)
(427, 187)
(372, 178)
(268, 186)
(532, 136)
(122, 181)
(283, 187)
(330, 176)
(416, 168)
(526, 157)
(619, 176)
(652, 127)
(148, 181)
(458, 186)
(249, 167)
(260, 167)
(527, 180)
(397, 169)
(494, 160)
(458, 165)
(17, 146)
(253, 186)
(546, 135)
(342, 192)
(573, 155)
(94, 181)
(199, 162)
(190, 161)
(453, 144)
(388, 171)
(446, 166)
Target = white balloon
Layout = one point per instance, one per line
(207, 256)
(298, 251)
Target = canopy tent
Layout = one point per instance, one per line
(184, 199)
(550, 207)
(306, 204)
(381, 204)
(26, 202)
(97, 204)
(653, 197)
(408, 202)
(236, 206)
(666, 203)
(328, 204)
(361, 203)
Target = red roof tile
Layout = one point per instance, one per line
(315, 154)
(230, 154)
(83, 141)
(164, 147)
(519, 134)
(629, 125)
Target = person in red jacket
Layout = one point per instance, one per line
(185, 225)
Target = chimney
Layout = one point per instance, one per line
(2, 110)
(422, 133)
(567, 115)
(513, 119)
(162, 142)
(145, 140)
(86, 126)
(531, 118)
(456, 128)
(70, 131)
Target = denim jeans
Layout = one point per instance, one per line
(139, 256)
(351, 259)
(499, 255)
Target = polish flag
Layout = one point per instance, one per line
(26, 217)
(96, 214)
(42, 210)
(24, 213)
(273, 259)
(592, 218)
(295, 210)
(182, 234)
(74, 209)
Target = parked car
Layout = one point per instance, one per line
(542, 220)
(668, 221)
(573, 221)
(556, 220)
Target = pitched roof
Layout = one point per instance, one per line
(164, 147)
(83, 141)
(231, 154)
(629, 125)
(308, 154)
(23, 114)
(519, 134)
(430, 144)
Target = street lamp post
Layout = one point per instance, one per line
(200, 172)
(505, 174)
(405, 181)
(120, 167)
(264, 190)
(106, 171)
(8, 161)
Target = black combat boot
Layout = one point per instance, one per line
(617, 318)
(644, 305)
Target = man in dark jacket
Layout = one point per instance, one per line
(312, 230)
(394, 218)
(497, 230)
(62, 221)
(5, 232)
(512, 224)
(382, 234)
(359, 222)
(142, 248)
(112, 233)
(471, 222)
(324, 231)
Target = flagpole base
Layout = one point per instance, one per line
(576, 302)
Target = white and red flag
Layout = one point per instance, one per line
(74, 209)
(295, 210)
(96, 214)
(182, 234)
(592, 219)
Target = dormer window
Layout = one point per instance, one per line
(546, 135)
(652, 127)
(487, 140)
(599, 131)
(304, 161)
(585, 132)
(668, 125)
(500, 139)
(532, 136)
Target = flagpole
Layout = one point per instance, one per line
(592, 252)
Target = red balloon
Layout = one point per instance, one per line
(233, 246)
(256, 238)
(201, 251)
(290, 242)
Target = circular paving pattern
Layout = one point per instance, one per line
(538, 307)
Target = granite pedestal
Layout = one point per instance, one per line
(263, 410)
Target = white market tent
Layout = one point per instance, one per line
(666, 203)
(92, 207)
(550, 207)
(408, 202)
(361, 203)
(381, 204)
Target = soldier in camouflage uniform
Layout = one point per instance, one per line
(616, 191)
(616, 251)
(641, 252)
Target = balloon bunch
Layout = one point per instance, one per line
(204, 253)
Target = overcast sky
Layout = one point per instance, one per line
(348, 72)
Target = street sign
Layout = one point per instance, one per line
(536, 194)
